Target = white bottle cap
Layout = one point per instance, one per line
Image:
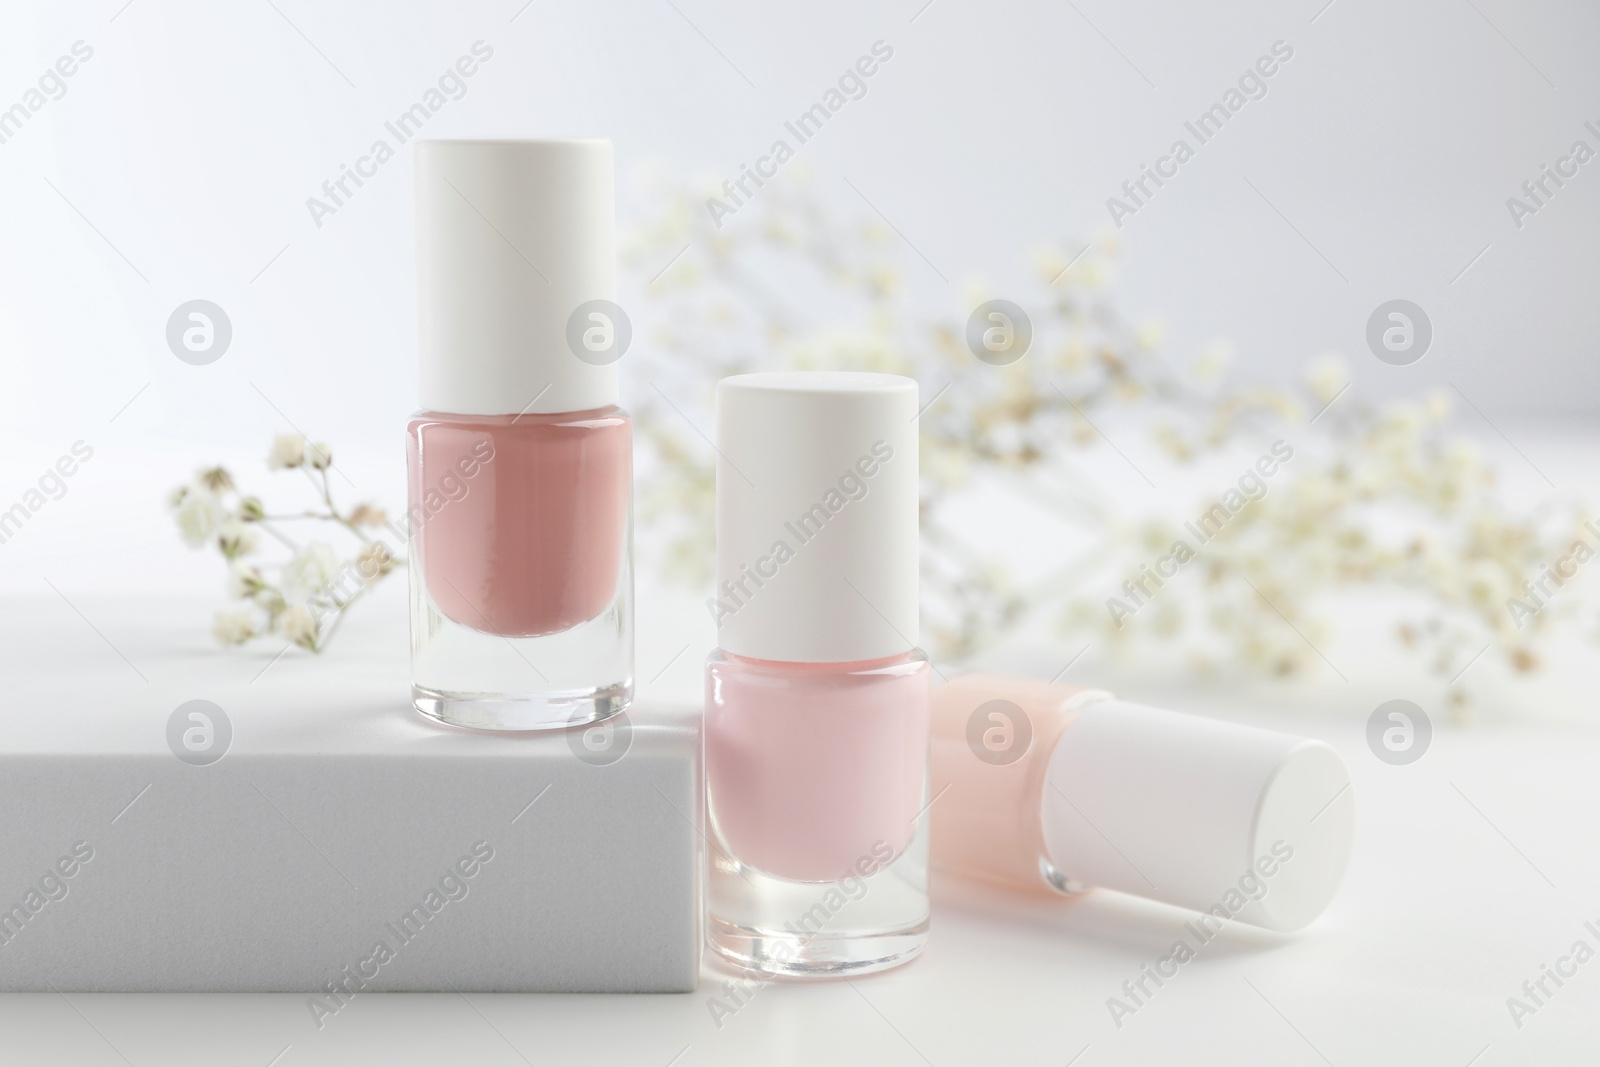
(817, 549)
(1244, 823)
(512, 238)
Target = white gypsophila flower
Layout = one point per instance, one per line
(233, 627)
(309, 572)
(236, 539)
(288, 450)
(1487, 586)
(199, 515)
(1438, 406)
(244, 581)
(319, 456)
(1214, 361)
(299, 626)
(1327, 376)
(216, 479)
(374, 561)
(1150, 334)
(368, 515)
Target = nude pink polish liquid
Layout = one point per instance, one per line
(818, 702)
(520, 463)
(553, 487)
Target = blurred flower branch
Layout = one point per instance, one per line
(1379, 500)
(304, 598)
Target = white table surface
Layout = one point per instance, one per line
(1473, 867)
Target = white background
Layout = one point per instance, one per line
(179, 162)
(178, 165)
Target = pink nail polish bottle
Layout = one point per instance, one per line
(817, 701)
(1057, 788)
(520, 461)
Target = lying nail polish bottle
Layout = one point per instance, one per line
(1057, 788)
(817, 701)
(520, 463)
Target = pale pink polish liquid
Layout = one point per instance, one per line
(811, 767)
(524, 517)
(988, 825)
(818, 704)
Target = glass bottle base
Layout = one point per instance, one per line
(541, 711)
(466, 677)
(875, 916)
(816, 803)
(1060, 881)
(758, 951)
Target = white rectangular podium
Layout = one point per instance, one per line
(341, 844)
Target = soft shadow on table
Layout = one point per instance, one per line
(1103, 917)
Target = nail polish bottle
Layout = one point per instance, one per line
(520, 461)
(817, 700)
(1058, 789)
